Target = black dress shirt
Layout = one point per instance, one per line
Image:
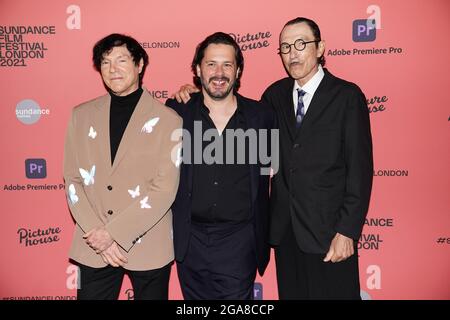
(221, 190)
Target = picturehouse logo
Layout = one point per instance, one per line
(130, 294)
(34, 237)
(251, 41)
(377, 104)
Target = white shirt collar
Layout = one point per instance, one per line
(311, 86)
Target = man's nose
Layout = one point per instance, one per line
(112, 67)
(293, 53)
(219, 70)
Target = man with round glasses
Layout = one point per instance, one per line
(298, 44)
(320, 195)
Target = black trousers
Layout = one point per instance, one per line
(220, 263)
(105, 283)
(304, 276)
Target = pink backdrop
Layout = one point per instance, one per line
(405, 247)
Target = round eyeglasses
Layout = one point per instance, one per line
(298, 44)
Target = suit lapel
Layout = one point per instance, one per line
(287, 108)
(139, 117)
(101, 126)
(321, 99)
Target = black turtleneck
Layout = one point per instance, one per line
(120, 113)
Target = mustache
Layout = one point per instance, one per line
(219, 79)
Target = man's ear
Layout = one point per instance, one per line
(321, 48)
(141, 65)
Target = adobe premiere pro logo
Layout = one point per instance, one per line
(364, 30)
(257, 291)
(35, 168)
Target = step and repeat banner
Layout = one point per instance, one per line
(396, 51)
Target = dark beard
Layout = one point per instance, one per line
(219, 95)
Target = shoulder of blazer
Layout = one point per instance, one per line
(282, 84)
(88, 106)
(161, 110)
(344, 85)
(250, 105)
(255, 108)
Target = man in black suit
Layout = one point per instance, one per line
(320, 195)
(221, 209)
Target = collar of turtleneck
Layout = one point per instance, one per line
(128, 100)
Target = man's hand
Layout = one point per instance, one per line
(98, 239)
(184, 94)
(113, 257)
(340, 249)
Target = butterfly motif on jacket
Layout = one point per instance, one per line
(148, 126)
(145, 204)
(72, 195)
(134, 193)
(92, 133)
(88, 176)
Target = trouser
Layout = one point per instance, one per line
(105, 283)
(220, 263)
(303, 276)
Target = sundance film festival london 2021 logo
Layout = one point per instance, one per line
(19, 44)
(370, 240)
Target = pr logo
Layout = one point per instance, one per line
(364, 30)
(257, 291)
(35, 168)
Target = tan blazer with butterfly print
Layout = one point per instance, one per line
(132, 197)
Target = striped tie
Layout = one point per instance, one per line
(300, 108)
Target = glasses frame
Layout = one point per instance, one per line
(303, 44)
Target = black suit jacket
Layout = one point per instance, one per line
(326, 166)
(257, 116)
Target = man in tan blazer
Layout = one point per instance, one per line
(121, 174)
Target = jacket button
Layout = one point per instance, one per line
(110, 212)
(296, 145)
(292, 170)
(189, 194)
(109, 188)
